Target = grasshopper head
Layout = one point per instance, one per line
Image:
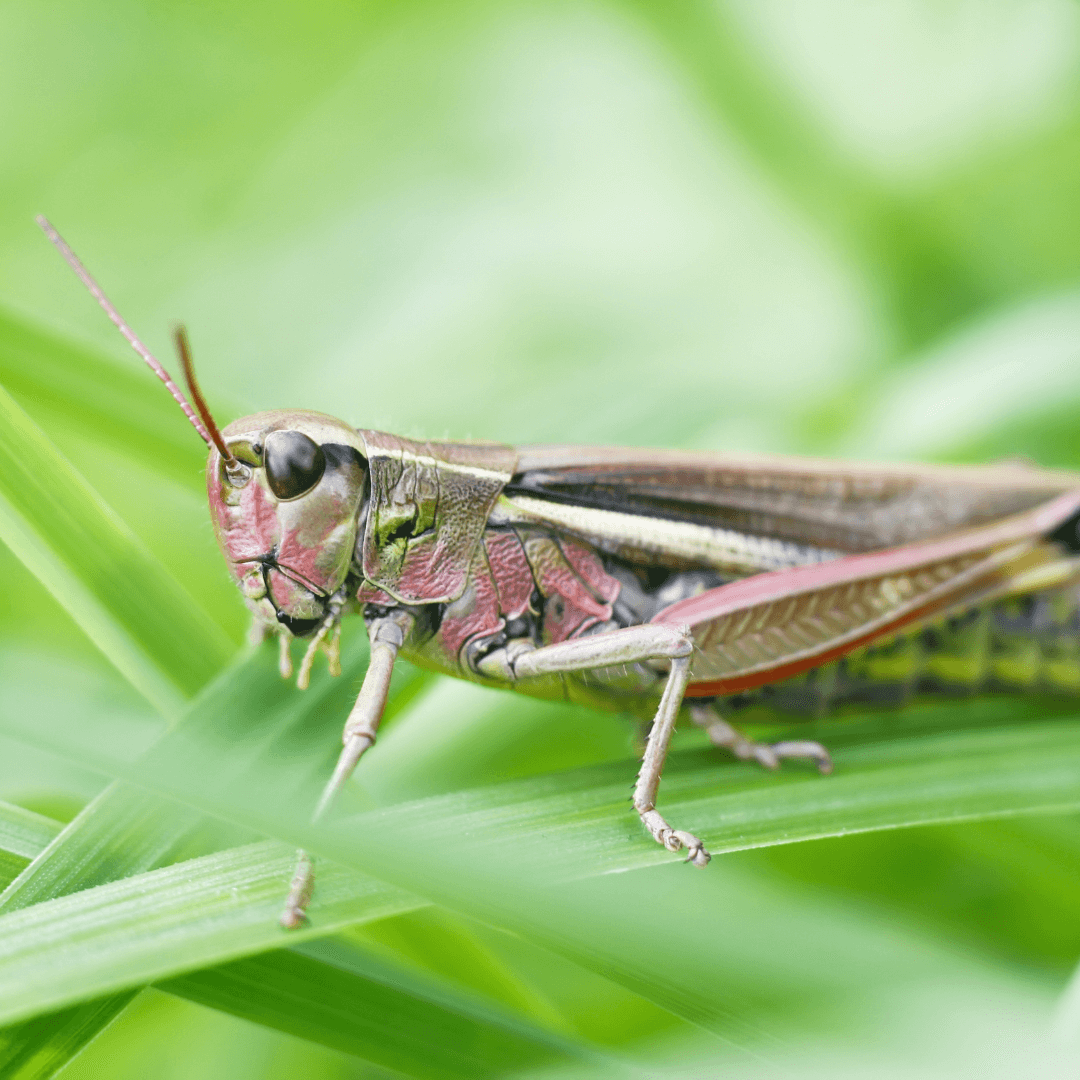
(286, 488)
(285, 510)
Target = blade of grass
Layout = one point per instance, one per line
(164, 922)
(115, 402)
(119, 595)
(490, 853)
(332, 993)
(23, 836)
(503, 876)
(224, 905)
(121, 832)
(39, 1048)
(577, 824)
(337, 994)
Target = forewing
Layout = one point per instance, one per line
(776, 625)
(838, 506)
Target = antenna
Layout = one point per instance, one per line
(182, 347)
(95, 290)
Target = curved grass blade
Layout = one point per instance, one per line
(577, 824)
(224, 905)
(24, 835)
(121, 832)
(332, 992)
(176, 919)
(337, 994)
(496, 853)
(119, 595)
(85, 392)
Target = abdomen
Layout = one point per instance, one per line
(1025, 644)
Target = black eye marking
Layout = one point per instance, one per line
(294, 464)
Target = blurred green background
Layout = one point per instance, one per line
(832, 227)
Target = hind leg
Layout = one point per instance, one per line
(728, 737)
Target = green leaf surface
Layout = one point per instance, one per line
(336, 994)
(309, 996)
(165, 921)
(23, 836)
(125, 601)
(39, 1048)
(71, 387)
(495, 852)
(121, 832)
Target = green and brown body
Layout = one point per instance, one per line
(638, 579)
(487, 544)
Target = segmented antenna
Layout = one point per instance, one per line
(95, 290)
(182, 347)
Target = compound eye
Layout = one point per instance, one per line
(294, 464)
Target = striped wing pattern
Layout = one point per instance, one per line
(746, 647)
(772, 626)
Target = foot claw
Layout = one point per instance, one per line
(804, 748)
(675, 839)
(695, 849)
(292, 918)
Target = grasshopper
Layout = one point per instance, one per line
(654, 582)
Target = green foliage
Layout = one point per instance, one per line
(803, 228)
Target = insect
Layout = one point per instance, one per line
(653, 582)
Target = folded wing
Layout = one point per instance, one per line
(837, 506)
(776, 625)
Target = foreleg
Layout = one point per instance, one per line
(387, 636)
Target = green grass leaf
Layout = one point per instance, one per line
(534, 856)
(122, 598)
(121, 832)
(336, 994)
(23, 836)
(72, 388)
(179, 918)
